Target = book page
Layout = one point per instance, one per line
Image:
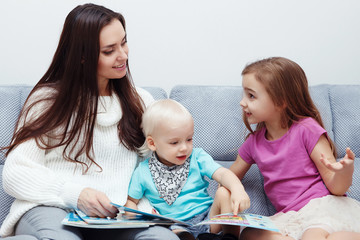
(243, 219)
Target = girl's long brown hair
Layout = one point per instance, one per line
(286, 83)
(73, 76)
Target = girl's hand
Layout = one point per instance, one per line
(96, 204)
(345, 165)
(240, 201)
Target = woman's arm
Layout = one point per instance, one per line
(337, 176)
(26, 177)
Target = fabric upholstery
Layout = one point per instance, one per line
(320, 96)
(219, 129)
(5, 200)
(11, 99)
(156, 92)
(345, 102)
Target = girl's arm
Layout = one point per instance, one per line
(240, 167)
(337, 176)
(239, 198)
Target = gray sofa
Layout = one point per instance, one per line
(219, 128)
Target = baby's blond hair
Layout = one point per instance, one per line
(161, 111)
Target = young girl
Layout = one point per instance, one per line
(295, 155)
(173, 177)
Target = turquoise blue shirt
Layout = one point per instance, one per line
(193, 199)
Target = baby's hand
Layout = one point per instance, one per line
(154, 211)
(240, 201)
(345, 164)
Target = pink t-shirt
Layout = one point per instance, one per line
(291, 178)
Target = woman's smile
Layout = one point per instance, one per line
(120, 67)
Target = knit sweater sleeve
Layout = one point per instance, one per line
(25, 175)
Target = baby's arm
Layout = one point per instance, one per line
(132, 202)
(337, 176)
(239, 198)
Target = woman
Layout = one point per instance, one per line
(76, 138)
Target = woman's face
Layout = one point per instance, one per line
(113, 54)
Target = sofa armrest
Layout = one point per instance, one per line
(5, 199)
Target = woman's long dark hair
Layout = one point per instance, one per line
(286, 83)
(73, 75)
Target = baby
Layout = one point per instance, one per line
(172, 178)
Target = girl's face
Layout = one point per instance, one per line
(172, 141)
(113, 53)
(256, 103)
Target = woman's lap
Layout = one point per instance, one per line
(45, 223)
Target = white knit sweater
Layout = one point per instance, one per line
(38, 177)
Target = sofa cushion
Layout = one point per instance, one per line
(12, 99)
(354, 190)
(219, 128)
(320, 96)
(5, 200)
(156, 92)
(345, 102)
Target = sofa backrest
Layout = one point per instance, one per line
(219, 128)
(345, 104)
(217, 117)
(12, 99)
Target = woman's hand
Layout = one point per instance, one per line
(96, 204)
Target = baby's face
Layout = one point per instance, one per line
(173, 141)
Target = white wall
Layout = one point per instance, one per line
(205, 42)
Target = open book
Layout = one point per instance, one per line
(77, 218)
(141, 219)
